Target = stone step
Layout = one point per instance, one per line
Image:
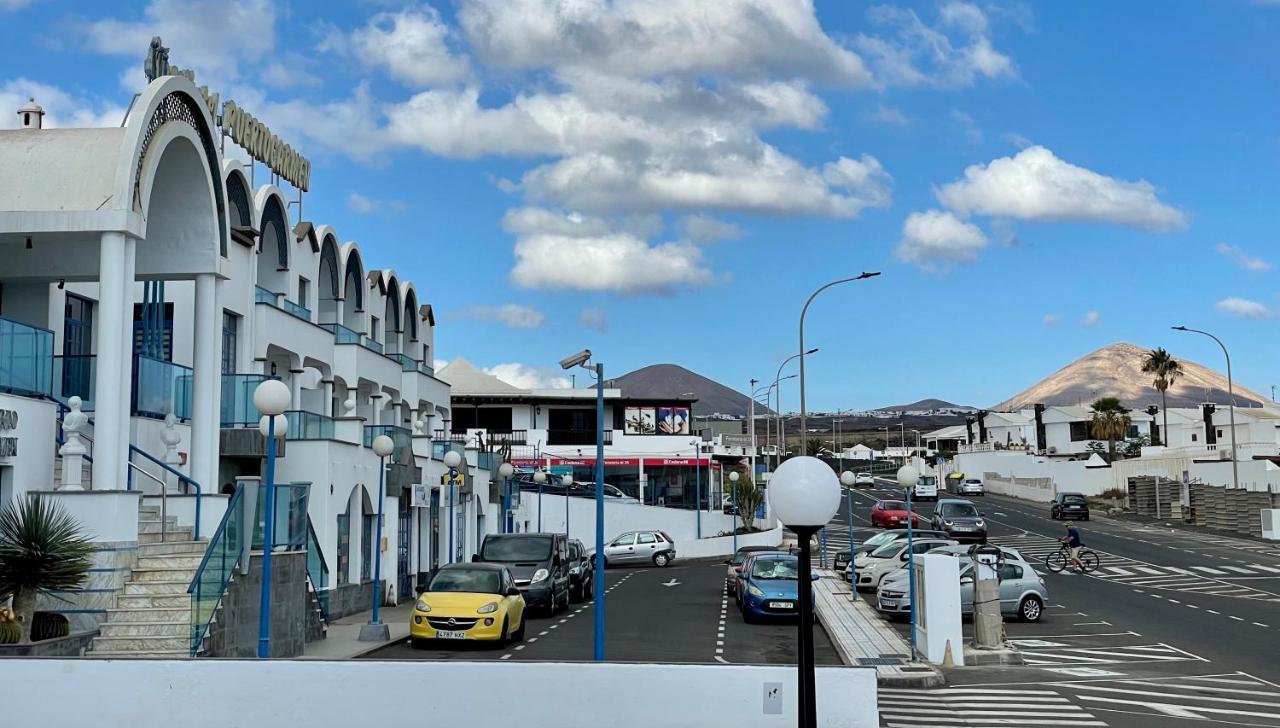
(162, 573)
(170, 561)
(172, 547)
(144, 629)
(106, 654)
(136, 644)
(175, 534)
(175, 615)
(157, 588)
(152, 525)
(154, 601)
(151, 511)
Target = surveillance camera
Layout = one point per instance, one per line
(576, 360)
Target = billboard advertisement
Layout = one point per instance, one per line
(641, 421)
(673, 420)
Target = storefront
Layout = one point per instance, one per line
(672, 482)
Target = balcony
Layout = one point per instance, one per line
(26, 359)
(73, 376)
(161, 388)
(262, 295)
(577, 437)
(442, 436)
(296, 310)
(426, 369)
(341, 334)
(515, 437)
(371, 345)
(305, 425)
(407, 363)
(440, 447)
(401, 437)
(237, 408)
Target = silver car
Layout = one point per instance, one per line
(1022, 591)
(971, 486)
(640, 547)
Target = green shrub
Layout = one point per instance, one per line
(49, 625)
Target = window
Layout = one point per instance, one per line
(304, 291)
(374, 334)
(230, 336)
(1009, 572)
(645, 538)
(1219, 433)
(1080, 432)
(626, 540)
(1195, 437)
(153, 331)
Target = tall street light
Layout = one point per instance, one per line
(272, 398)
(1235, 472)
(782, 433)
(848, 480)
(805, 494)
(907, 478)
(505, 471)
(375, 630)
(752, 419)
(540, 477)
(804, 420)
(733, 487)
(452, 461)
(566, 481)
(583, 359)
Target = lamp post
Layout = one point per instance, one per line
(751, 419)
(583, 359)
(804, 421)
(733, 486)
(697, 490)
(566, 481)
(504, 471)
(907, 478)
(375, 630)
(782, 439)
(452, 460)
(848, 479)
(540, 477)
(272, 397)
(805, 494)
(1231, 406)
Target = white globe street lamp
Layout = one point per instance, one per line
(733, 482)
(280, 429)
(505, 470)
(540, 477)
(907, 478)
(804, 492)
(567, 482)
(452, 460)
(375, 630)
(847, 479)
(272, 398)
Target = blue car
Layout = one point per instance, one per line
(769, 587)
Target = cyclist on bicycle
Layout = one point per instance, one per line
(1075, 543)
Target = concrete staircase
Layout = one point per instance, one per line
(152, 616)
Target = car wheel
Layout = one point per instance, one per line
(661, 559)
(505, 636)
(1031, 609)
(518, 635)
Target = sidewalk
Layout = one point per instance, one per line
(342, 643)
(862, 637)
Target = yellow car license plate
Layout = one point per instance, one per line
(445, 634)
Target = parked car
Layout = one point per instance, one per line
(878, 540)
(770, 586)
(612, 493)
(1069, 505)
(864, 479)
(468, 602)
(964, 549)
(876, 565)
(892, 514)
(539, 563)
(960, 520)
(970, 486)
(640, 547)
(582, 571)
(735, 563)
(1023, 593)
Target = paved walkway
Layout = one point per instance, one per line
(862, 637)
(342, 641)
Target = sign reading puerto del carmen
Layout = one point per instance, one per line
(244, 129)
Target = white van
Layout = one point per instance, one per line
(926, 488)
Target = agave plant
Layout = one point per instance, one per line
(42, 549)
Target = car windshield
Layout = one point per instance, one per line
(516, 548)
(893, 506)
(481, 581)
(888, 551)
(881, 538)
(774, 568)
(959, 510)
(1073, 500)
(741, 555)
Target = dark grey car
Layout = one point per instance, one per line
(538, 561)
(960, 520)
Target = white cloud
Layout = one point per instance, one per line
(888, 115)
(936, 238)
(364, 205)
(1036, 185)
(1018, 140)
(1091, 319)
(918, 54)
(704, 229)
(589, 254)
(1251, 263)
(968, 127)
(413, 45)
(594, 318)
(1051, 319)
(527, 377)
(62, 110)
(512, 315)
(1243, 308)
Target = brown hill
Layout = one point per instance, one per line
(670, 380)
(1116, 371)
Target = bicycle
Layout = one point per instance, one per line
(1058, 560)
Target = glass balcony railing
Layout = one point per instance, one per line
(426, 369)
(308, 426)
(160, 388)
(440, 447)
(237, 408)
(371, 345)
(407, 363)
(296, 310)
(402, 437)
(290, 529)
(318, 570)
(262, 295)
(73, 376)
(215, 570)
(26, 358)
(342, 334)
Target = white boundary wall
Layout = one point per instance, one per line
(1067, 476)
(286, 693)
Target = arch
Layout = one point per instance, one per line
(273, 241)
(241, 209)
(391, 313)
(410, 296)
(180, 200)
(353, 284)
(328, 281)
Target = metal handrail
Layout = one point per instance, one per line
(204, 562)
(164, 500)
(133, 449)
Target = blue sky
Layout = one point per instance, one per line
(667, 181)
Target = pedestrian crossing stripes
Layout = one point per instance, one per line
(979, 707)
(1237, 698)
(1065, 656)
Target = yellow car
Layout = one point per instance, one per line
(477, 602)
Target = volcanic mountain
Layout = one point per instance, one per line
(670, 380)
(1116, 371)
(924, 404)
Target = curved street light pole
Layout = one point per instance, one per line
(777, 379)
(1231, 406)
(804, 420)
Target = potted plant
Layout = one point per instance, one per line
(42, 549)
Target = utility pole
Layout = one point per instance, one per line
(752, 417)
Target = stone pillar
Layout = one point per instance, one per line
(113, 361)
(328, 398)
(206, 417)
(295, 388)
(126, 371)
(395, 413)
(375, 407)
(73, 449)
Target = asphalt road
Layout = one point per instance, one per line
(668, 615)
(1175, 628)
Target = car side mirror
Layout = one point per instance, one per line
(513, 592)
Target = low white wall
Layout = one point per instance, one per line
(285, 693)
(104, 515)
(36, 442)
(1068, 476)
(723, 545)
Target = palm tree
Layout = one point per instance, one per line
(814, 447)
(1109, 421)
(746, 498)
(42, 549)
(1166, 370)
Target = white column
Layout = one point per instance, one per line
(328, 398)
(126, 371)
(295, 388)
(375, 407)
(206, 388)
(112, 359)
